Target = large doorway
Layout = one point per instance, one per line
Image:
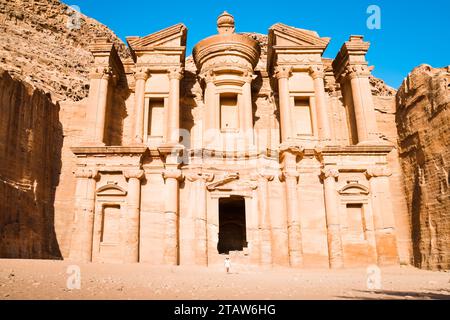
(232, 226)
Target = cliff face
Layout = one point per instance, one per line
(423, 122)
(44, 43)
(30, 145)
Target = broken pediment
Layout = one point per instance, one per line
(282, 35)
(232, 182)
(173, 37)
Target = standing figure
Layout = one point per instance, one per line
(227, 264)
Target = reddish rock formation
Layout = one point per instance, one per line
(30, 145)
(423, 121)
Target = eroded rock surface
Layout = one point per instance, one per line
(30, 148)
(41, 45)
(423, 121)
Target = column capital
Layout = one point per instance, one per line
(329, 173)
(141, 73)
(291, 148)
(202, 176)
(176, 73)
(283, 72)
(172, 174)
(317, 71)
(376, 172)
(248, 76)
(357, 71)
(266, 176)
(101, 72)
(289, 173)
(134, 174)
(208, 76)
(86, 173)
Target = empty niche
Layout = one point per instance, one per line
(110, 224)
(302, 117)
(156, 117)
(229, 113)
(356, 221)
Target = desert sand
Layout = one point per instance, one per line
(38, 279)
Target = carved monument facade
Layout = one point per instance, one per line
(238, 150)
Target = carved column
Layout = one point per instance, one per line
(264, 219)
(247, 121)
(363, 105)
(98, 93)
(318, 74)
(82, 239)
(201, 250)
(335, 254)
(290, 177)
(141, 76)
(173, 118)
(172, 177)
(209, 110)
(131, 254)
(283, 73)
(383, 215)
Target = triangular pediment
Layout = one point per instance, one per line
(286, 36)
(174, 36)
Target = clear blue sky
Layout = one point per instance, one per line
(412, 32)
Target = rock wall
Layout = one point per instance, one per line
(30, 162)
(385, 107)
(44, 42)
(423, 122)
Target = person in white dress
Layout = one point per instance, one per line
(227, 264)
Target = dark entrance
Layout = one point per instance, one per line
(232, 227)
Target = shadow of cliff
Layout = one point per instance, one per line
(31, 145)
(399, 295)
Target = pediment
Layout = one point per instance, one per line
(232, 182)
(111, 189)
(174, 36)
(286, 36)
(354, 188)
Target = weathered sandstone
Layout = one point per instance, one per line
(423, 121)
(30, 163)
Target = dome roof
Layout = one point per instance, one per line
(226, 43)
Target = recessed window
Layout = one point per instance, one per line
(302, 119)
(356, 221)
(156, 117)
(110, 224)
(229, 112)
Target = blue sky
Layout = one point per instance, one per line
(412, 32)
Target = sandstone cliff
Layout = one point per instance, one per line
(423, 121)
(44, 43)
(30, 148)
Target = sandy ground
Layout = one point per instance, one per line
(36, 279)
